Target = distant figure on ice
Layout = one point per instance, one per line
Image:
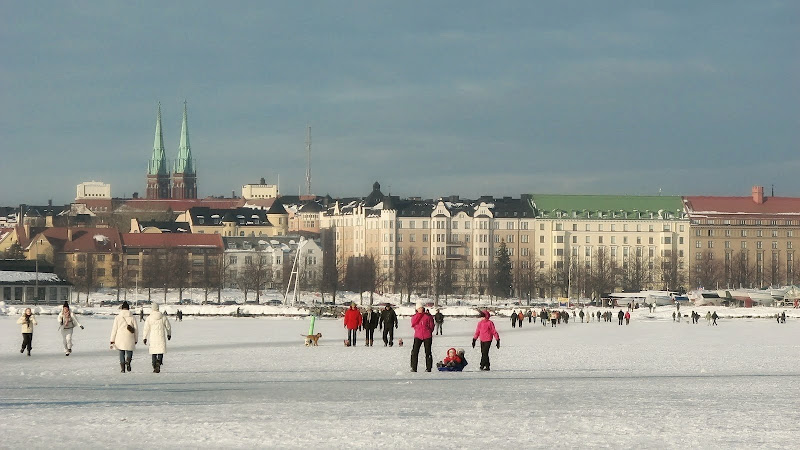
(422, 323)
(620, 315)
(352, 322)
(581, 315)
(530, 315)
(513, 319)
(627, 318)
(124, 336)
(485, 331)
(141, 314)
(553, 318)
(66, 323)
(520, 318)
(369, 321)
(673, 316)
(439, 319)
(158, 330)
(598, 316)
(388, 322)
(179, 315)
(714, 318)
(783, 317)
(708, 318)
(27, 321)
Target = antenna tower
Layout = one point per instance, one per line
(308, 165)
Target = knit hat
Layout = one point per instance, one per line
(419, 305)
(154, 306)
(125, 306)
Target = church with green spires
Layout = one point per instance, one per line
(181, 183)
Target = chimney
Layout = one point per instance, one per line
(758, 194)
(69, 234)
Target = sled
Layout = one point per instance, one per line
(450, 369)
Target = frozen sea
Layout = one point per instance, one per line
(251, 383)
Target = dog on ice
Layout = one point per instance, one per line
(312, 339)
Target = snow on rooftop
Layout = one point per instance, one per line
(11, 276)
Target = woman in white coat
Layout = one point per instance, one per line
(124, 336)
(158, 330)
(66, 323)
(27, 321)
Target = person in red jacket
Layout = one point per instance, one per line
(352, 321)
(485, 331)
(422, 323)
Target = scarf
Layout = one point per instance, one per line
(67, 318)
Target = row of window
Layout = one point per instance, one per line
(742, 233)
(743, 244)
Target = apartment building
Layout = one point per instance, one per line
(743, 242)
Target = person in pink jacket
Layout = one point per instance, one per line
(485, 331)
(422, 323)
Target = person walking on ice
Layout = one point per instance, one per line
(124, 336)
(422, 323)
(158, 330)
(67, 323)
(485, 331)
(352, 322)
(714, 318)
(27, 321)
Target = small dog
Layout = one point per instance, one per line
(312, 339)
(347, 342)
(399, 342)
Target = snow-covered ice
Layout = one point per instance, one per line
(250, 382)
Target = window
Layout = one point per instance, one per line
(625, 239)
(524, 238)
(541, 226)
(541, 239)
(587, 227)
(710, 244)
(727, 244)
(698, 244)
(775, 245)
(559, 239)
(424, 237)
(650, 240)
(613, 239)
(599, 239)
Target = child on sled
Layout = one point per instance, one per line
(454, 361)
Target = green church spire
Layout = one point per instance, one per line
(158, 162)
(184, 164)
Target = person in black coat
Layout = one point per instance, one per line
(369, 321)
(388, 322)
(439, 319)
(621, 316)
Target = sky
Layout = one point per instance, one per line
(428, 98)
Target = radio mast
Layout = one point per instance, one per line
(308, 165)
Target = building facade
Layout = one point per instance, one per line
(743, 242)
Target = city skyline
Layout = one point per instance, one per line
(524, 97)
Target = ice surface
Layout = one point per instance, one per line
(250, 382)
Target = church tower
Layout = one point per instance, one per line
(184, 178)
(158, 185)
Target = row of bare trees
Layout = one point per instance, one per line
(743, 269)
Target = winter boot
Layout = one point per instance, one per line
(128, 364)
(158, 368)
(122, 367)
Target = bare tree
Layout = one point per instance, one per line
(330, 264)
(707, 271)
(635, 272)
(604, 273)
(180, 273)
(742, 271)
(84, 276)
(529, 276)
(412, 271)
(257, 273)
